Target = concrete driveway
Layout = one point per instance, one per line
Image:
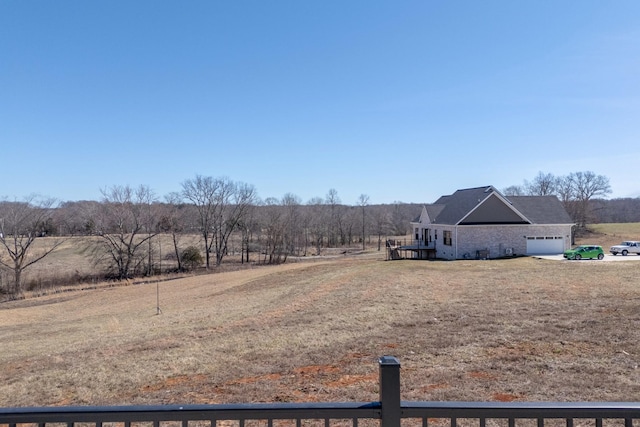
(607, 257)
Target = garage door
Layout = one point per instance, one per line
(545, 245)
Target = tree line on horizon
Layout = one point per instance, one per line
(126, 222)
(583, 195)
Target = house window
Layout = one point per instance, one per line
(446, 235)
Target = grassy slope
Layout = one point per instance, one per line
(612, 234)
(524, 329)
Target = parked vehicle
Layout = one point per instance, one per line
(627, 247)
(585, 251)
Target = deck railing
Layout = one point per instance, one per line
(409, 242)
(389, 411)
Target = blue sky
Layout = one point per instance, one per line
(399, 100)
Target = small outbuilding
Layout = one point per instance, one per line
(482, 223)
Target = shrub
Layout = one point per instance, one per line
(191, 258)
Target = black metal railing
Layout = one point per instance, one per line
(389, 411)
(404, 242)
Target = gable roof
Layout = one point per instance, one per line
(434, 210)
(542, 209)
(486, 205)
(494, 209)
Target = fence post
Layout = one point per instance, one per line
(390, 391)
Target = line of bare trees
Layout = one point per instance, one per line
(124, 227)
(577, 191)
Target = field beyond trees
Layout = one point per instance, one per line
(501, 330)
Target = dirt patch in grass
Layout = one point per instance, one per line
(503, 330)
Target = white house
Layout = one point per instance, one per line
(482, 223)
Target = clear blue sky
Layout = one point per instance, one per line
(399, 100)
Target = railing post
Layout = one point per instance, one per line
(390, 391)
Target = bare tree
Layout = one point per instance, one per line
(222, 205)
(565, 190)
(317, 222)
(363, 201)
(294, 234)
(122, 225)
(382, 222)
(172, 222)
(249, 227)
(399, 213)
(513, 190)
(274, 226)
(201, 192)
(576, 191)
(333, 202)
(544, 184)
(587, 186)
(68, 217)
(235, 201)
(21, 223)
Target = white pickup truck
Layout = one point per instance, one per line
(624, 248)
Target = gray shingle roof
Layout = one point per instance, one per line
(453, 208)
(459, 204)
(541, 209)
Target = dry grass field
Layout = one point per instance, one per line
(519, 329)
(612, 234)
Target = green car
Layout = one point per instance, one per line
(585, 251)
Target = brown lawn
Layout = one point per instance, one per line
(502, 330)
